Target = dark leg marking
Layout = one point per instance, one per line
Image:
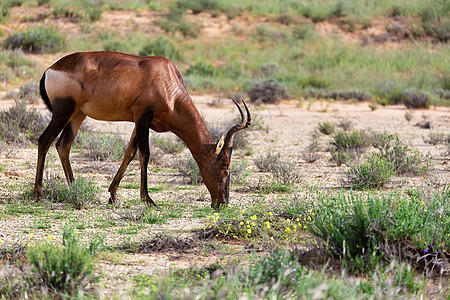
(63, 112)
(142, 131)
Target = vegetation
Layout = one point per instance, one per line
(36, 39)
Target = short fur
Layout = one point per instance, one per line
(44, 93)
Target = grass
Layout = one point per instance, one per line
(80, 194)
(363, 227)
(37, 39)
(101, 146)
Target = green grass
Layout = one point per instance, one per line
(361, 227)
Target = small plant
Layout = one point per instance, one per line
(408, 116)
(65, 269)
(435, 20)
(345, 124)
(375, 172)
(189, 169)
(311, 152)
(169, 144)
(19, 124)
(415, 99)
(435, 138)
(162, 46)
(346, 146)
(80, 193)
(101, 146)
(203, 69)
(240, 170)
(284, 172)
(37, 39)
(268, 91)
(326, 128)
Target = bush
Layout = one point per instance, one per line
(415, 99)
(162, 46)
(101, 146)
(169, 144)
(204, 69)
(284, 172)
(435, 19)
(66, 269)
(395, 226)
(79, 194)
(311, 152)
(198, 6)
(19, 124)
(268, 91)
(37, 39)
(189, 169)
(403, 160)
(326, 128)
(375, 172)
(240, 170)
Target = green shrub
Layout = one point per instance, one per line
(162, 46)
(204, 69)
(79, 194)
(360, 227)
(101, 146)
(375, 172)
(114, 45)
(326, 128)
(66, 269)
(37, 39)
(404, 161)
(415, 99)
(5, 10)
(169, 144)
(19, 124)
(311, 152)
(356, 140)
(268, 91)
(284, 171)
(198, 6)
(435, 19)
(240, 170)
(189, 169)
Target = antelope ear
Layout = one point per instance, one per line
(220, 144)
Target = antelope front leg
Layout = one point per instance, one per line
(130, 153)
(142, 131)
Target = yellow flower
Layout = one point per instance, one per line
(49, 237)
(271, 238)
(31, 235)
(249, 230)
(298, 220)
(253, 224)
(270, 213)
(268, 224)
(243, 211)
(241, 223)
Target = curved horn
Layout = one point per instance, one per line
(242, 125)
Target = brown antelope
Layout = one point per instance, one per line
(148, 91)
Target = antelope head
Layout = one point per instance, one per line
(217, 179)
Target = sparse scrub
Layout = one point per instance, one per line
(101, 146)
(216, 129)
(203, 69)
(19, 124)
(345, 124)
(435, 138)
(162, 46)
(79, 194)
(311, 152)
(268, 91)
(435, 19)
(359, 228)
(374, 173)
(14, 65)
(347, 146)
(240, 170)
(284, 171)
(37, 39)
(188, 168)
(326, 128)
(414, 99)
(66, 269)
(169, 145)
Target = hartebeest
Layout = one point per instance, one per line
(148, 91)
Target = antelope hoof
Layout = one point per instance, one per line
(150, 202)
(113, 200)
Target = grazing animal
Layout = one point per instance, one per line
(148, 91)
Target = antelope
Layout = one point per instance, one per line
(148, 91)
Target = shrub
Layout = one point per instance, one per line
(284, 172)
(311, 152)
(357, 140)
(415, 99)
(375, 172)
(37, 39)
(240, 170)
(101, 146)
(326, 128)
(403, 160)
(189, 169)
(28, 92)
(216, 129)
(198, 6)
(80, 193)
(268, 91)
(360, 227)
(5, 9)
(203, 69)
(435, 20)
(19, 124)
(169, 144)
(66, 269)
(162, 46)
(114, 45)
(435, 138)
